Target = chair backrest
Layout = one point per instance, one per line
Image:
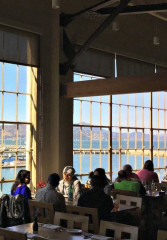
(71, 220)
(11, 235)
(114, 193)
(92, 213)
(162, 235)
(119, 230)
(129, 201)
(45, 211)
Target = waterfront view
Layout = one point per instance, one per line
(15, 121)
(95, 155)
(110, 131)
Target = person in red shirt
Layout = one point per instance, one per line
(147, 174)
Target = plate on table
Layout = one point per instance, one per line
(74, 231)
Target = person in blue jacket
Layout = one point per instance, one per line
(20, 184)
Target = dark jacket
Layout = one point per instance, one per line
(96, 198)
(14, 210)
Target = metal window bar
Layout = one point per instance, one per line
(16, 151)
(143, 152)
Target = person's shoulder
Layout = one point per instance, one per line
(134, 175)
(77, 182)
(23, 187)
(155, 173)
(61, 181)
(27, 187)
(156, 176)
(40, 190)
(60, 195)
(141, 170)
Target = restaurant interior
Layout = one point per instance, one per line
(115, 48)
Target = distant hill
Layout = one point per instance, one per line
(10, 131)
(115, 135)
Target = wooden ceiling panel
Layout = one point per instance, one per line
(134, 38)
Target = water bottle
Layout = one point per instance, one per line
(35, 225)
(152, 186)
(70, 193)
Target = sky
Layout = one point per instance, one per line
(115, 99)
(10, 76)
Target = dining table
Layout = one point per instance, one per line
(154, 203)
(48, 233)
(126, 214)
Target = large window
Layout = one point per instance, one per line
(110, 131)
(16, 119)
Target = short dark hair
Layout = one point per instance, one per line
(91, 174)
(54, 179)
(149, 165)
(98, 181)
(127, 168)
(122, 174)
(101, 171)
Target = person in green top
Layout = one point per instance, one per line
(124, 184)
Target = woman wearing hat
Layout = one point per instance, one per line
(70, 180)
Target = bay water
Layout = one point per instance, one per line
(87, 166)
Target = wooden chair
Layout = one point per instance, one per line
(129, 201)
(114, 193)
(92, 213)
(71, 220)
(162, 235)
(6, 234)
(119, 230)
(132, 201)
(45, 211)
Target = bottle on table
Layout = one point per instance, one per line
(35, 225)
(153, 185)
(153, 188)
(70, 193)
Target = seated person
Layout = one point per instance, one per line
(89, 179)
(147, 173)
(20, 184)
(165, 178)
(96, 198)
(101, 172)
(49, 193)
(97, 172)
(131, 176)
(69, 179)
(124, 184)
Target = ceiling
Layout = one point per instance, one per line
(134, 37)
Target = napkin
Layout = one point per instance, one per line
(100, 237)
(51, 226)
(32, 235)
